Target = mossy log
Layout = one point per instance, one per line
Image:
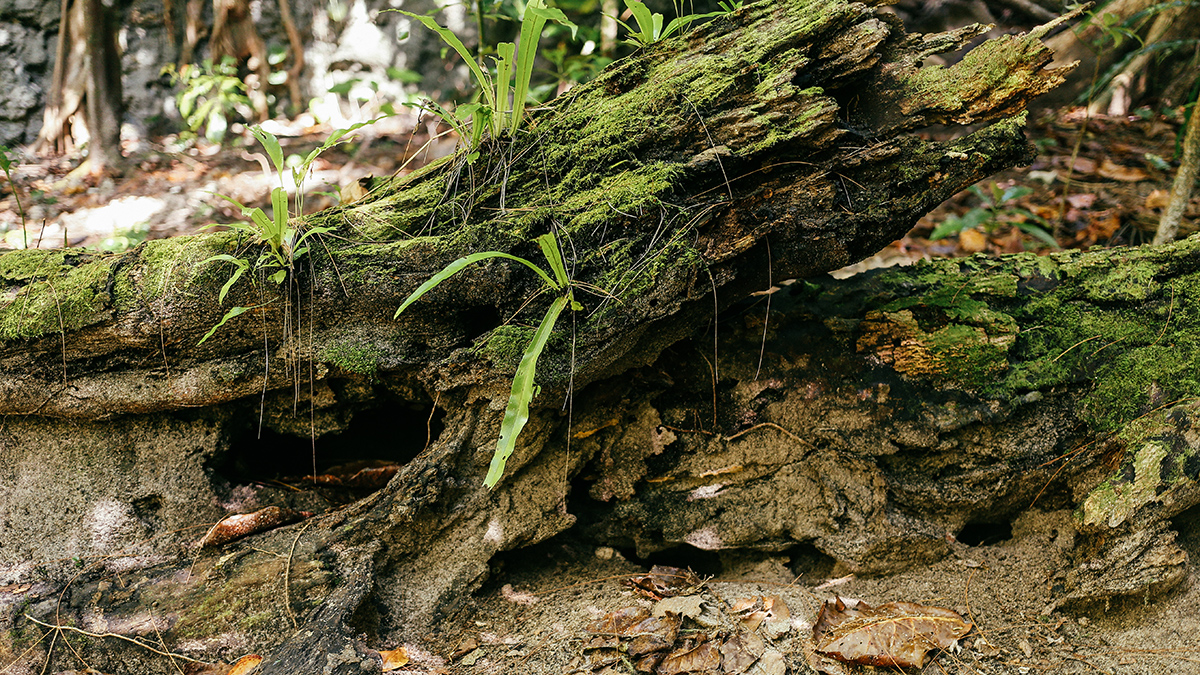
(773, 143)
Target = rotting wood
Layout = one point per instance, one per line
(665, 179)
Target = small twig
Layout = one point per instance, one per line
(772, 425)
(1170, 309)
(287, 577)
(762, 349)
(113, 635)
(429, 422)
(1094, 337)
(712, 145)
(163, 643)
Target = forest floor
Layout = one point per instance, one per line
(1097, 181)
(534, 615)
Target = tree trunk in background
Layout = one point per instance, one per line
(233, 34)
(104, 106)
(777, 142)
(85, 95)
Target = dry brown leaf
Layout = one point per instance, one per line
(245, 664)
(635, 621)
(647, 644)
(1158, 199)
(771, 663)
(690, 658)
(1125, 174)
(467, 645)
(899, 634)
(394, 659)
(647, 663)
(664, 582)
(740, 652)
(246, 524)
(972, 241)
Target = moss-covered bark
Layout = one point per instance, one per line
(768, 144)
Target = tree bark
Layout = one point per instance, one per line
(770, 144)
(86, 87)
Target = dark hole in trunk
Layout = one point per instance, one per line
(979, 533)
(350, 464)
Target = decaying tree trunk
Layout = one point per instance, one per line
(774, 143)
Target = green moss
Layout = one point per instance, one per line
(49, 292)
(626, 192)
(1160, 469)
(1032, 323)
(505, 346)
(352, 356)
(1116, 498)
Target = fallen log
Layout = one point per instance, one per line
(774, 143)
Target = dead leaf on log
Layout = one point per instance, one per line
(665, 582)
(363, 475)
(243, 525)
(896, 634)
(394, 659)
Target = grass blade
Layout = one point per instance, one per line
(682, 22)
(453, 268)
(516, 414)
(279, 209)
(242, 266)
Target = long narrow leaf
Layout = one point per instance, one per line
(485, 82)
(554, 257)
(242, 266)
(554, 14)
(453, 268)
(228, 315)
(644, 19)
(262, 221)
(279, 209)
(531, 33)
(271, 145)
(681, 23)
(504, 68)
(516, 414)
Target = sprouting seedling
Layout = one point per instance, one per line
(998, 208)
(650, 25)
(6, 165)
(286, 241)
(514, 69)
(516, 412)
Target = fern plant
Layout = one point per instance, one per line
(516, 412)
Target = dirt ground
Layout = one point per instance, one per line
(1096, 182)
(532, 617)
